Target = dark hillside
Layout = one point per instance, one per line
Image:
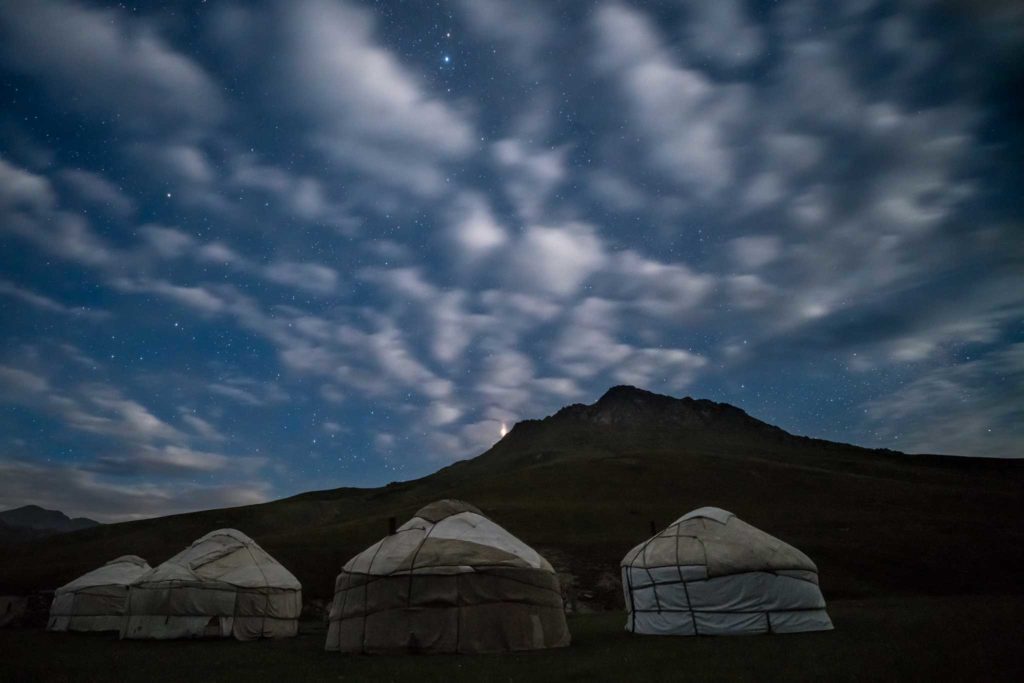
(583, 485)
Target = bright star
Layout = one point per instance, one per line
(447, 59)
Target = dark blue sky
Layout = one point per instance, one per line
(249, 250)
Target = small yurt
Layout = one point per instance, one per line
(448, 580)
(222, 585)
(96, 601)
(711, 573)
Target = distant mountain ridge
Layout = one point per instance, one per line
(32, 521)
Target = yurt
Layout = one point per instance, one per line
(222, 585)
(96, 600)
(448, 580)
(711, 573)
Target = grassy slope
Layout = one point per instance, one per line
(874, 523)
(946, 638)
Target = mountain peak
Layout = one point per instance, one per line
(638, 418)
(627, 392)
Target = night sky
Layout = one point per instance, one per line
(249, 250)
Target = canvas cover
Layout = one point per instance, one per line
(711, 573)
(96, 600)
(448, 580)
(223, 585)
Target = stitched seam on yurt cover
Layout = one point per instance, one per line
(366, 597)
(686, 590)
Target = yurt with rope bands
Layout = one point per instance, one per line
(448, 580)
(96, 600)
(223, 585)
(710, 573)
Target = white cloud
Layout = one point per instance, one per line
(969, 408)
(312, 277)
(199, 299)
(100, 60)
(367, 110)
(167, 242)
(686, 121)
(750, 292)
(519, 27)
(474, 228)
(531, 174)
(721, 32)
(15, 380)
(657, 289)
(47, 304)
(79, 492)
(99, 191)
(756, 251)
(29, 209)
(556, 259)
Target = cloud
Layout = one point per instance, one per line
(659, 289)
(474, 229)
(722, 33)
(590, 345)
(686, 121)
(522, 30)
(99, 191)
(45, 303)
(312, 277)
(531, 174)
(17, 381)
(79, 492)
(99, 60)
(168, 460)
(198, 299)
(556, 259)
(970, 408)
(168, 243)
(755, 252)
(363, 109)
(29, 209)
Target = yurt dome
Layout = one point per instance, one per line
(711, 573)
(224, 584)
(448, 580)
(96, 600)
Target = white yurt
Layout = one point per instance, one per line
(448, 580)
(711, 573)
(222, 585)
(96, 600)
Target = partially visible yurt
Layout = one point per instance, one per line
(96, 600)
(222, 585)
(711, 573)
(448, 580)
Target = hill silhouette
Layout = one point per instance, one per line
(583, 485)
(31, 521)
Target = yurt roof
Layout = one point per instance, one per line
(120, 571)
(447, 536)
(719, 540)
(225, 556)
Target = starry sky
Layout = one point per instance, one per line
(253, 249)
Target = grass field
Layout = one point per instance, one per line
(958, 638)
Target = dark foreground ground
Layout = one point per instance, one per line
(967, 638)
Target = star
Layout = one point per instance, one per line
(447, 59)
